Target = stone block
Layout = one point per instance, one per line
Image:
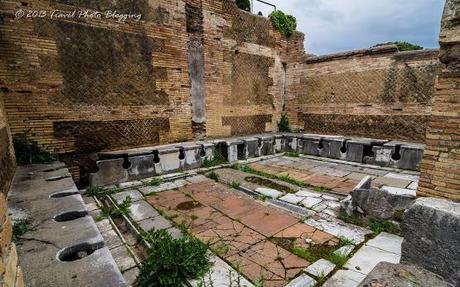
(368, 257)
(320, 268)
(252, 147)
(111, 171)
(342, 278)
(133, 194)
(141, 167)
(141, 210)
(431, 229)
(382, 203)
(169, 160)
(402, 275)
(292, 198)
(269, 192)
(302, 281)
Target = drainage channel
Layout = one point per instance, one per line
(123, 227)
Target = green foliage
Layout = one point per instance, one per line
(100, 192)
(244, 5)
(214, 176)
(378, 226)
(235, 184)
(218, 159)
(19, 228)
(172, 262)
(402, 46)
(338, 259)
(291, 154)
(343, 241)
(283, 125)
(28, 152)
(314, 253)
(155, 181)
(321, 189)
(285, 178)
(125, 205)
(284, 23)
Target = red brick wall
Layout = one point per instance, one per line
(372, 93)
(440, 169)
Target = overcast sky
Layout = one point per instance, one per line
(338, 25)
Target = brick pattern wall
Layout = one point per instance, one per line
(372, 93)
(245, 76)
(10, 273)
(440, 168)
(121, 84)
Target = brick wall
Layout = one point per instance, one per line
(244, 70)
(440, 168)
(81, 85)
(10, 273)
(376, 92)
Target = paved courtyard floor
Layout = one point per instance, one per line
(241, 230)
(269, 230)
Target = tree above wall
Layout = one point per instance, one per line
(402, 45)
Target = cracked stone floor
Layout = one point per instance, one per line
(256, 235)
(240, 229)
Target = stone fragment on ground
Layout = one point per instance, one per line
(133, 194)
(320, 268)
(382, 203)
(345, 278)
(339, 228)
(222, 275)
(431, 230)
(291, 198)
(302, 281)
(383, 248)
(273, 193)
(401, 275)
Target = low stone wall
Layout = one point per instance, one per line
(378, 92)
(136, 164)
(10, 273)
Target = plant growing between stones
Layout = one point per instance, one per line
(338, 259)
(216, 160)
(321, 189)
(20, 227)
(292, 154)
(155, 181)
(100, 192)
(28, 152)
(214, 176)
(172, 262)
(125, 205)
(235, 184)
(284, 23)
(283, 124)
(402, 45)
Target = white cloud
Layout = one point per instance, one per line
(338, 25)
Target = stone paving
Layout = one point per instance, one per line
(339, 177)
(241, 230)
(248, 235)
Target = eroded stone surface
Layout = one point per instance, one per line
(431, 230)
(320, 268)
(302, 281)
(388, 274)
